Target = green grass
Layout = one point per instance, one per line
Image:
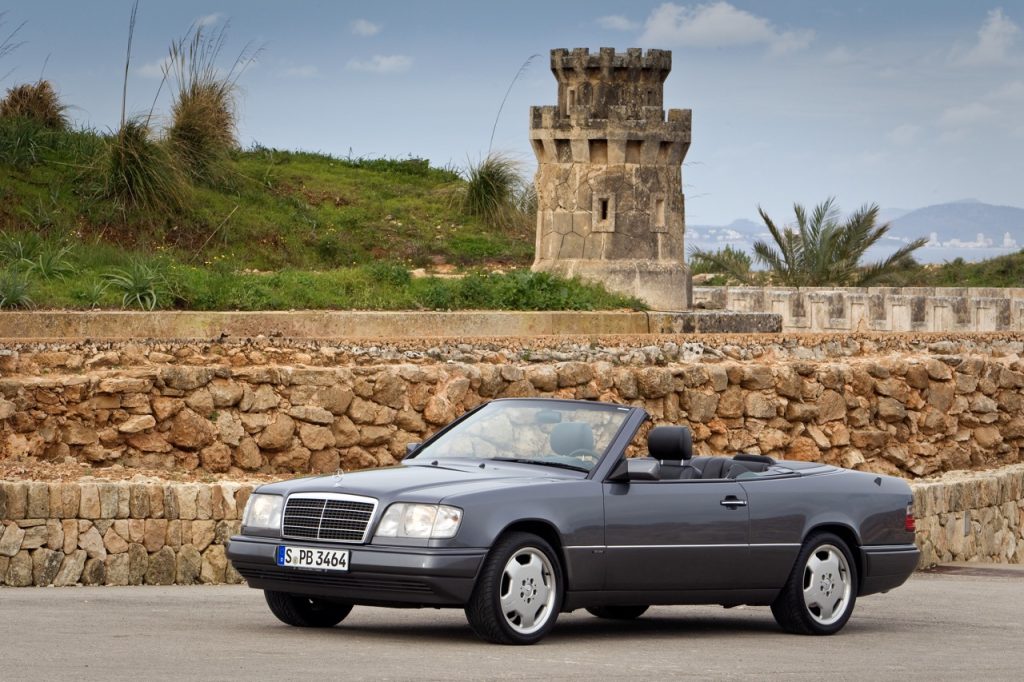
(1002, 271)
(280, 230)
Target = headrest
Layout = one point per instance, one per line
(670, 443)
(569, 437)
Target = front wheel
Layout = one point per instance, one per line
(819, 596)
(519, 592)
(306, 612)
(618, 612)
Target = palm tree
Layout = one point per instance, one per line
(822, 251)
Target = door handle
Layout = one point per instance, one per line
(731, 501)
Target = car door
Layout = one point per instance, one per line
(675, 535)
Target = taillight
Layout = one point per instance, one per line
(910, 525)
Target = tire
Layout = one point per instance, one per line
(518, 594)
(618, 612)
(821, 591)
(306, 612)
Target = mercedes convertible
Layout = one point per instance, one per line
(526, 508)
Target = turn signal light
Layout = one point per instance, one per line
(910, 525)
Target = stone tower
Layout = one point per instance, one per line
(609, 176)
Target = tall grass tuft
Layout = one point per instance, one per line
(37, 102)
(14, 290)
(141, 173)
(494, 190)
(202, 130)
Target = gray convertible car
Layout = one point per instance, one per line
(525, 508)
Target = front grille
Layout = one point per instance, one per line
(342, 518)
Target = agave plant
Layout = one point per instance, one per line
(141, 284)
(51, 262)
(14, 288)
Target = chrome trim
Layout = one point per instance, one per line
(760, 544)
(338, 497)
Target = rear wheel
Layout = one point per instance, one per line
(306, 612)
(618, 612)
(822, 589)
(519, 592)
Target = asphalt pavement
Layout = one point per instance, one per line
(962, 622)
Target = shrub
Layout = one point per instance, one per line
(203, 119)
(14, 288)
(140, 173)
(36, 102)
(493, 189)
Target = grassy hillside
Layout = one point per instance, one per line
(1002, 271)
(277, 230)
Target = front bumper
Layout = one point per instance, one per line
(377, 576)
(887, 567)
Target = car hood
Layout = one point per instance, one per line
(426, 482)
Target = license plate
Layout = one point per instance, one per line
(309, 557)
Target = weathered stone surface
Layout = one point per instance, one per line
(10, 541)
(335, 399)
(262, 399)
(214, 565)
(94, 573)
(92, 542)
(19, 570)
(759, 406)
(225, 393)
(138, 563)
(156, 534)
(162, 567)
(315, 415)
(137, 423)
(189, 565)
(278, 433)
(891, 410)
(247, 455)
(316, 437)
(116, 569)
(114, 543)
(75, 433)
(71, 567)
(190, 431)
(215, 458)
(295, 459)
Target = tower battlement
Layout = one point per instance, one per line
(580, 58)
(609, 176)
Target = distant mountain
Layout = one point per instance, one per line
(965, 224)
(968, 228)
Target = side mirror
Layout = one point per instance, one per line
(411, 448)
(637, 469)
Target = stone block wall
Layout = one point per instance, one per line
(107, 533)
(971, 517)
(912, 411)
(158, 533)
(825, 309)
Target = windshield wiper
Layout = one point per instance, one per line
(526, 460)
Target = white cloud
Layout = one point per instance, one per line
(1008, 241)
(908, 133)
(153, 69)
(209, 19)
(617, 22)
(1011, 92)
(395, 63)
(966, 115)
(995, 38)
(718, 24)
(362, 27)
(304, 71)
(840, 55)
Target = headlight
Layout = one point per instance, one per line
(263, 511)
(406, 520)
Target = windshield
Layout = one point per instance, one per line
(546, 432)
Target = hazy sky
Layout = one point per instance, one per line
(905, 103)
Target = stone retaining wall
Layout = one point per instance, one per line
(823, 309)
(102, 533)
(234, 409)
(155, 533)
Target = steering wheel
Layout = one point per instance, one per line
(584, 455)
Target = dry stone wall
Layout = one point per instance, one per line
(913, 410)
(105, 533)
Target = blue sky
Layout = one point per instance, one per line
(904, 103)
